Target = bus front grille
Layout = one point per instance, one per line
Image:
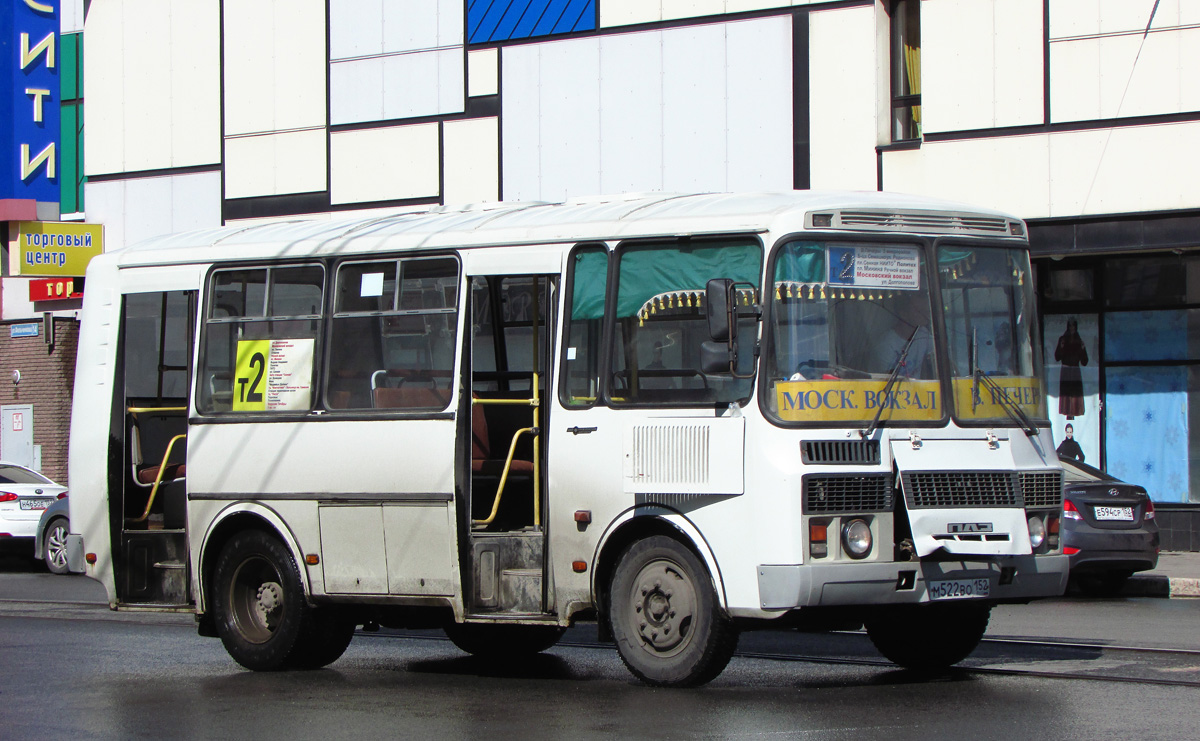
(1042, 489)
(847, 493)
(961, 489)
(833, 452)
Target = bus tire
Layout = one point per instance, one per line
(928, 637)
(669, 629)
(258, 602)
(491, 641)
(328, 635)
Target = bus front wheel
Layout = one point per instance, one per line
(261, 614)
(928, 637)
(669, 629)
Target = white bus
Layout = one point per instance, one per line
(680, 416)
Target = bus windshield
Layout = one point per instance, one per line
(852, 334)
(987, 295)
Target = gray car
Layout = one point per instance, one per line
(1108, 529)
(50, 541)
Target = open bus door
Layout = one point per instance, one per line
(147, 483)
(511, 331)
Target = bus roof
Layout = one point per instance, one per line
(579, 219)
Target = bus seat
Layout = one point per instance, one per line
(148, 474)
(482, 461)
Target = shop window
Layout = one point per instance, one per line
(1146, 281)
(906, 70)
(1069, 285)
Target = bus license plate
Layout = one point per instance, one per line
(959, 588)
(1119, 514)
(35, 503)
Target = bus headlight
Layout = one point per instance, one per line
(1037, 531)
(856, 538)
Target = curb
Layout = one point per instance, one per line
(1162, 586)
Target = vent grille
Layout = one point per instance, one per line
(836, 494)
(677, 454)
(961, 489)
(1042, 489)
(831, 452)
(923, 221)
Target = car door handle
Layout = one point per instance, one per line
(580, 430)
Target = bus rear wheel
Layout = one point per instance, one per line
(258, 601)
(928, 637)
(669, 629)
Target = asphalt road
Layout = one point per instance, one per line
(73, 668)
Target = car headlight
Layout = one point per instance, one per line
(856, 538)
(1037, 531)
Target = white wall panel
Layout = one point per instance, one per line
(483, 72)
(275, 164)
(384, 164)
(356, 90)
(396, 86)
(631, 112)
(137, 209)
(471, 160)
(70, 19)
(274, 65)
(695, 155)
(760, 106)
(981, 64)
(152, 86)
(842, 98)
(670, 109)
(628, 12)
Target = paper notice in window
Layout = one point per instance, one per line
(289, 375)
(372, 284)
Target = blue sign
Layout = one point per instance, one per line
(29, 100)
(23, 330)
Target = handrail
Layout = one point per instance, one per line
(146, 410)
(534, 403)
(158, 479)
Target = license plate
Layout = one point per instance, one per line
(959, 588)
(35, 503)
(1119, 514)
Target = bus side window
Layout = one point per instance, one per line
(587, 284)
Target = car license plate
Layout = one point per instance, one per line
(1119, 514)
(959, 588)
(35, 503)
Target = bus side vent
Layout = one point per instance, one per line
(1042, 489)
(961, 488)
(847, 493)
(922, 221)
(676, 454)
(833, 452)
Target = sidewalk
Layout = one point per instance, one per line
(1177, 575)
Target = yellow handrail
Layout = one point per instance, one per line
(535, 402)
(512, 449)
(158, 479)
(143, 410)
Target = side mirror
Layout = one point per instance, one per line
(714, 357)
(718, 308)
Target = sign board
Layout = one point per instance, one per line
(273, 375)
(55, 248)
(24, 330)
(875, 267)
(55, 289)
(29, 100)
(854, 400)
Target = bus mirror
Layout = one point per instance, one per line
(715, 357)
(718, 308)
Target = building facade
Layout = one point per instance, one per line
(1080, 116)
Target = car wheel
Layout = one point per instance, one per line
(1103, 583)
(259, 604)
(503, 641)
(669, 629)
(928, 637)
(54, 545)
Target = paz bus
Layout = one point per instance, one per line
(678, 416)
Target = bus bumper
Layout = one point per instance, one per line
(1015, 578)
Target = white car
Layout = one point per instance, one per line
(24, 494)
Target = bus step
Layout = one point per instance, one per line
(521, 590)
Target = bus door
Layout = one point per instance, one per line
(147, 489)
(511, 330)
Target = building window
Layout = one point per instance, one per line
(906, 70)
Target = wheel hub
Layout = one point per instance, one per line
(663, 603)
(268, 603)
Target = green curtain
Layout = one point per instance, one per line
(651, 270)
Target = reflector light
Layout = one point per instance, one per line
(1070, 551)
(579, 566)
(312, 559)
(90, 558)
(1070, 512)
(1052, 525)
(1149, 511)
(7, 496)
(63, 495)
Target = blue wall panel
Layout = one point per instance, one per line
(501, 20)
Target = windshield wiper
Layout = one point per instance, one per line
(883, 396)
(1010, 407)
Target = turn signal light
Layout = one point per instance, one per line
(818, 539)
(1068, 550)
(1070, 512)
(579, 566)
(1149, 511)
(90, 558)
(312, 559)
